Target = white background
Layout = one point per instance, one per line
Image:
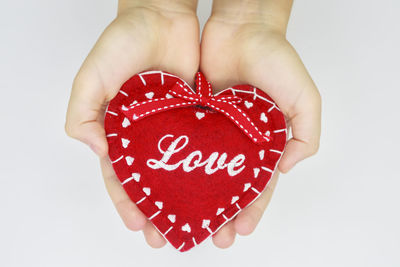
(339, 208)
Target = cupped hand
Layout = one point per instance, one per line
(240, 47)
(145, 35)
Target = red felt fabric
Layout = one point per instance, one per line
(186, 203)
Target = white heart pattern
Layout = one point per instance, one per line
(129, 160)
(159, 204)
(263, 117)
(261, 154)
(200, 115)
(220, 210)
(172, 217)
(205, 224)
(149, 95)
(126, 123)
(246, 187)
(186, 228)
(256, 172)
(248, 104)
(136, 176)
(125, 142)
(147, 190)
(234, 199)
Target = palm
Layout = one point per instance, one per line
(253, 55)
(160, 43)
(131, 44)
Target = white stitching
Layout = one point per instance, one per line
(154, 215)
(181, 246)
(112, 113)
(143, 80)
(248, 92)
(118, 159)
(280, 130)
(276, 151)
(241, 126)
(148, 101)
(122, 92)
(169, 229)
(165, 107)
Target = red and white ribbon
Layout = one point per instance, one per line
(184, 97)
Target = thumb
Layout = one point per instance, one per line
(86, 109)
(306, 130)
(107, 67)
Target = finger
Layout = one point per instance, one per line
(225, 236)
(152, 236)
(247, 220)
(306, 130)
(85, 110)
(132, 217)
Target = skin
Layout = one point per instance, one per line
(243, 42)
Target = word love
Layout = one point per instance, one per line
(212, 164)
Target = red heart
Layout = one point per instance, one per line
(185, 197)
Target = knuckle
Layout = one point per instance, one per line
(224, 242)
(314, 148)
(130, 218)
(257, 216)
(132, 226)
(77, 79)
(70, 130)
(154, 239)
(317, 98)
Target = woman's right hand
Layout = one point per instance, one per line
(146, 34)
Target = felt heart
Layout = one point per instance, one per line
(191, 169)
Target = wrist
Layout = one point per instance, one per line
(177, 6)
(271, 13)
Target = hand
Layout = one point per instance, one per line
(244, 42)
(147, 34)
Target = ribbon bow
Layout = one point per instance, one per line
(181, 95)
